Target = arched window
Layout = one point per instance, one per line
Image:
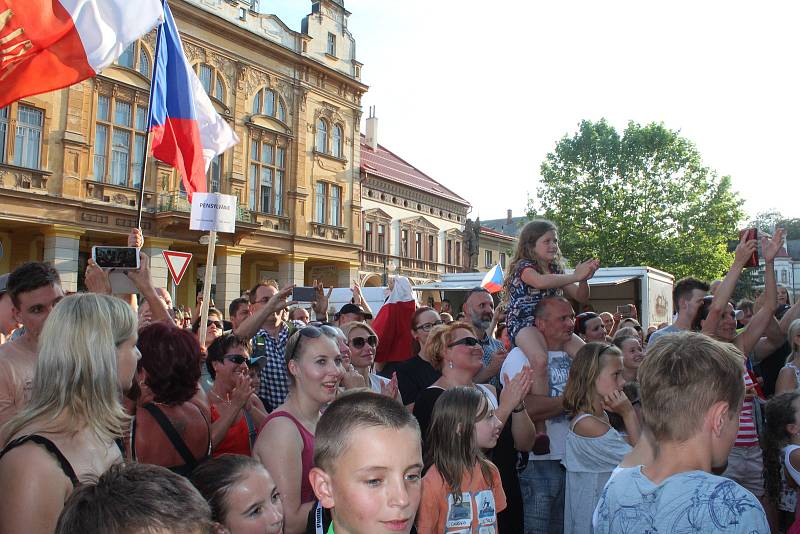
(281, 115)
(144, 63)
(336, 144)
(136, 57)
(128, 56)
(322, 136)
(267, 102)
(211, 81)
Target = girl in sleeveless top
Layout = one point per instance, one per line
(594, 448)
(67, 432)
(789, 377)
(171, 424)
(285, 445)
(781, 441)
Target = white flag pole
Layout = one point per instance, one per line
(212, 241)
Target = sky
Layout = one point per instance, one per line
(475, 94)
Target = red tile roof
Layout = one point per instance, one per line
(386, 164)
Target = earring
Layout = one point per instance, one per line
(450, 364)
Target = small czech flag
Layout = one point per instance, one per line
(493, 281)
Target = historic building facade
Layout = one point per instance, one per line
(413, 225)
(71, 160)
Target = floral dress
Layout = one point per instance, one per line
(524, 298)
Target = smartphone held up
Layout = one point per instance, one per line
(750, 234)
(122, 258)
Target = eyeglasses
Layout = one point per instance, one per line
(237, 359)
(468, 341)
(358, 342)
(427, 327)
(218, 324)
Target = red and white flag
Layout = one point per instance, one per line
(50, 44)
(393, 323)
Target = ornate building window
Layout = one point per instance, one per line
(266, 176)
(267, 102)
(328, 204)
(119, 141)
(382, 238)
(211, 80)
(368, 236)
(3, 134)
(488, 258)
(136, 57)
(27, 137)
(321, 144)
(214, 174)
(336, 141)
(331, 50)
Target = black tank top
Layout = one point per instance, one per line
(51, 448)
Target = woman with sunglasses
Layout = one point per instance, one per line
(214, 327)
(456, 352)
(363, 342)
(236, 412)
(417, 373)
(285, 445)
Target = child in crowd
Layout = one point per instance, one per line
(367, 465)
(782, 446)
(461, 491)
(692, 391)
(594, 447)
(135, 499)
(241, 493)
(536, 271)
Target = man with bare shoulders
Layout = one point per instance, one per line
(34, 288)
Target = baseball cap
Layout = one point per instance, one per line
(353, 308)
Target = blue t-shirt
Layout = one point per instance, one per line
(694, 501)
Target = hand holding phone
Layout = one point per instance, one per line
(122, 258)
(746, 236)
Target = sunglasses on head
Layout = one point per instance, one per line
(310, 331)
(427, 327)
(468, 341)
(237, 359)
(358, 342)
(218, 324)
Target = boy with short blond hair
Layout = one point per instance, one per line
(692, 390)
(367, 465)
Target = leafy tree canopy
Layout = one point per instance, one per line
(643, 198)
(767, 221)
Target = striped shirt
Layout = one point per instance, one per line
(747, 435)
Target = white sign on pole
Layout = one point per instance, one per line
(213, 211)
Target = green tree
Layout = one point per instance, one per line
(643, 198)
(767, 221)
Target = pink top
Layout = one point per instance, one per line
(307, 456)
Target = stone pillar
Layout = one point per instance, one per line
(347, 274)
(61, 247)
(292, 270)
(229, 273)
(153, 247)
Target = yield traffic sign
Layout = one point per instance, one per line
(177, 262)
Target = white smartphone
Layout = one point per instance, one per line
(122, 258)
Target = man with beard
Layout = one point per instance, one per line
(479, 310)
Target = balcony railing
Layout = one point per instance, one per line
(377, 261)
(176, 202)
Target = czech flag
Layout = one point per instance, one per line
(50, 44)
(493, 281)
(393, 323)
(187, 131)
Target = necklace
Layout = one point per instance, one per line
(226, 401)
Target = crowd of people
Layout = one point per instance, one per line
(511, 415)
